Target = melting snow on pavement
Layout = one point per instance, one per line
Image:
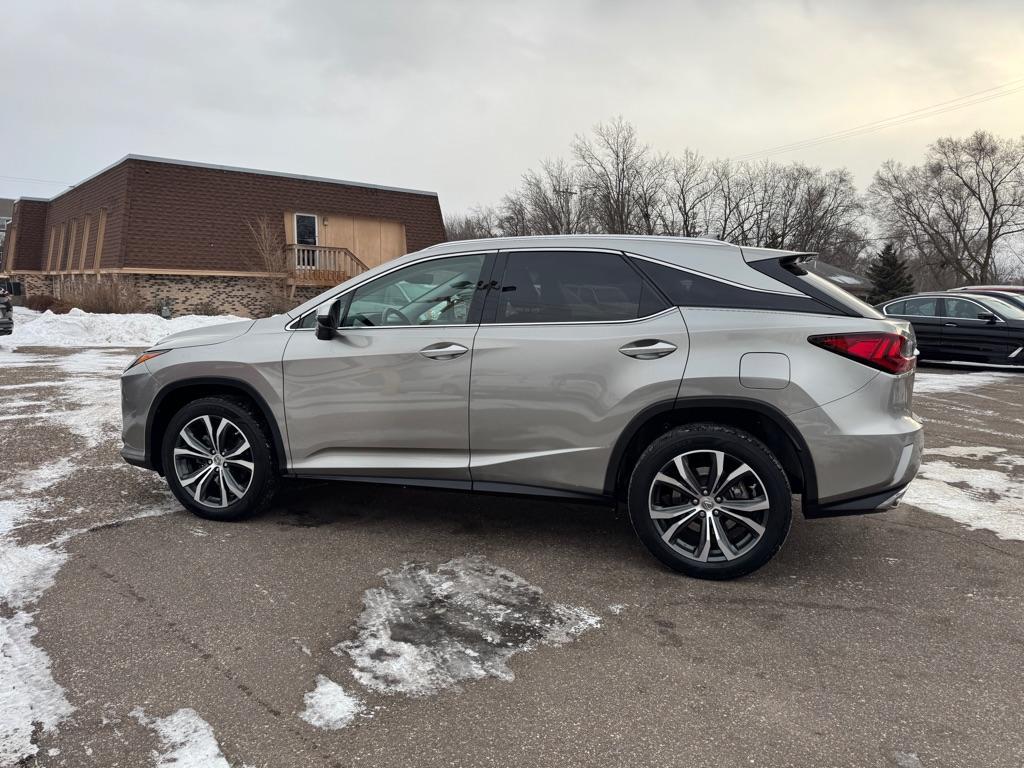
(929, 383)
(425, 630)
(989, 497)
(186, 740)
(85, 401)
(329, 706)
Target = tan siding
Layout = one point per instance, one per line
(101, 230)
(49, 254)
(86, 227)
(12, 239)
(392, 240)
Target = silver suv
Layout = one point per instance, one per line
(700, 382)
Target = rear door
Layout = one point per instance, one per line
(969, 333)
(573, 345)
(923, 314)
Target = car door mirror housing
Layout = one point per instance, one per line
(327, 321)
(988, 317)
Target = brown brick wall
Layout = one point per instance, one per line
(108, 190)
(29, 221)
(186, 217)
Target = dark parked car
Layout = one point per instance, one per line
(1017, 299)
(963, 327)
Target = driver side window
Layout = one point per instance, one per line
(435, 292)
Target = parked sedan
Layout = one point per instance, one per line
(963, 327)
(1017, 299)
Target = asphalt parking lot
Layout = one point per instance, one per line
(133, 633)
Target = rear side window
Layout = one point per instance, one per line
(573, 287)
(923, 307)
(896, 308)
(686, 289)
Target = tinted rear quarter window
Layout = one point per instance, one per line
(688, 289)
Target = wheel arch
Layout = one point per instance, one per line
(171, 398)
(763, 421)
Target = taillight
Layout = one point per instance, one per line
(889, 352)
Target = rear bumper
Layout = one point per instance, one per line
(6, 327)
(880, 501)
(866, 448)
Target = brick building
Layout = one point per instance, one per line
(182, 233)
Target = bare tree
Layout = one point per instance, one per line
(268, 242)
(478, 223)
(615, 167)
(688, 196)
(556, 201)
(959, 206)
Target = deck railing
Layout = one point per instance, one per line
(322, 264)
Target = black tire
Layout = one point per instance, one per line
(264, 476)
(742, 448)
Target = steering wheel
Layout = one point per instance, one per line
(398, 313)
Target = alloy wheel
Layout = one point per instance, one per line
(213, 461)
(709, 506)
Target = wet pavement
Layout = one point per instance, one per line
(445, 629)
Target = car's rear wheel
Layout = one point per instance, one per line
(710, 501)
(219, 460)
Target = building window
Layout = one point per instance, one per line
(305, 235)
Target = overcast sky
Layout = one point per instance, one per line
(462, 97)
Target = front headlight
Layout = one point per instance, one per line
(146, 356)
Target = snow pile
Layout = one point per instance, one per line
(186, 740)
(85, 329)
(329, 706)
(989, 498)
(426, 631)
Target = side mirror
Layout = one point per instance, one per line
(327, 322)
(988, 317)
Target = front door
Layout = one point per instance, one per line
(389, 395)
(573, 345)
(970, 335)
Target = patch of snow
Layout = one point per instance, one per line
(928, 383)
(87, 329)
(989, 498)
(976, 452)
(425, 630)
(907, 760)
(28, 692)
(186, 740)
(617, 608)
(329, 706)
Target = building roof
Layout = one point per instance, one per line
(234, 169)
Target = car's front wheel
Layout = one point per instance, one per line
(219, 460)
(710, 501)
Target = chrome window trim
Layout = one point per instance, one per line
(667, 310)
(291, 326)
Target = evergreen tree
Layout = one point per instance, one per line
(889, 275)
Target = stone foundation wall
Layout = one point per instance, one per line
(186, 294)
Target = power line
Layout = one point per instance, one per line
(978, 97)
(33, 181)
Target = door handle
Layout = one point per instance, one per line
(648, 349)
(444, 351)
(952, 325)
